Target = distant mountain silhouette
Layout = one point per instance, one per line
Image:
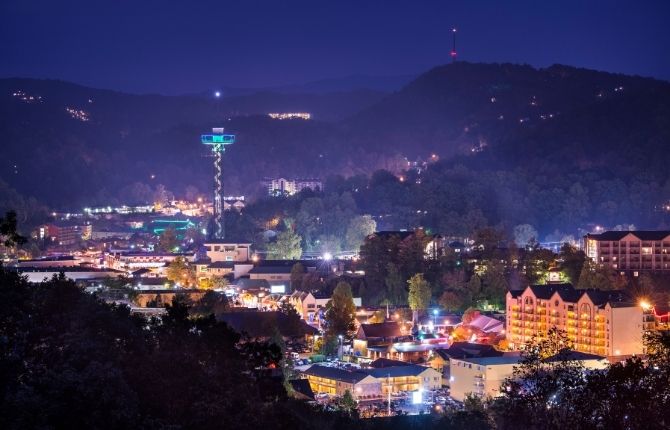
(485, 116)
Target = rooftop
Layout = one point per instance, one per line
(258, 270)
(573, 356)
(385, 330)
(335, 373)
(381, 363)
(493, 361)
(461, 350)
(640, 234)
(397, 371)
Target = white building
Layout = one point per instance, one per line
(222, 250)
(289, 187)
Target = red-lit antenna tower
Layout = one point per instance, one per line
(453, 48)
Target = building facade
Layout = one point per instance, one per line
(630, 251)
(218, 250)
(131, 261)
(605, 323)
(483, 376)
(284, 187)
(372, 383)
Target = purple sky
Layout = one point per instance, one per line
(196, 45)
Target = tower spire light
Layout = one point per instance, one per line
(218, 141)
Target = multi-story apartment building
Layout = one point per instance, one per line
(630, 251)
(605, 323)
(65, 233)
(283, 186)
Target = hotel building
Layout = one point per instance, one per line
(605, 323)
(630, 251)
(289, 187)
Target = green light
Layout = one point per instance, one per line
(209, 139)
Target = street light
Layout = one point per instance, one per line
(435, 312)
(339, 349)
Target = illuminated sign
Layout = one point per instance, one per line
(277, 289)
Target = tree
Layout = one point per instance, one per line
(495, 284)
(213, 283)
(572, 261)
(286, 246)
(474, 287)
(396, 294)
(419, 295)
(536, 263)
(412, 253)
(451, 301)
(600, 277)
(347, 404)
(473, 416)
(211, 303)
(161, 195)
(340, 312)
(488, 240)
(524, 234)
(376, 253)
(179, 272)
(543, 388)
(8, 230)
(297, 273)
(70, 360)
(167, 240)
(359, 228)
(294, 321)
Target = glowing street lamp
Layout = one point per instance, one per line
(339, 349)
(327, 256)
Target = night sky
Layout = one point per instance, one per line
(184, 46)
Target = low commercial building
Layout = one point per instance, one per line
(373, 340)
(440, 359)
(76, 273)
(131, 261)
(224, 250)
(60, 261)
(407, 378)
(334, 381)
(374, 382)
(484, 376)
(277, 276)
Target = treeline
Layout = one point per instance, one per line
(545, 393)
(69, 360)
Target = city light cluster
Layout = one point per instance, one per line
(26, 98)
(290, 115)
(78, 114)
